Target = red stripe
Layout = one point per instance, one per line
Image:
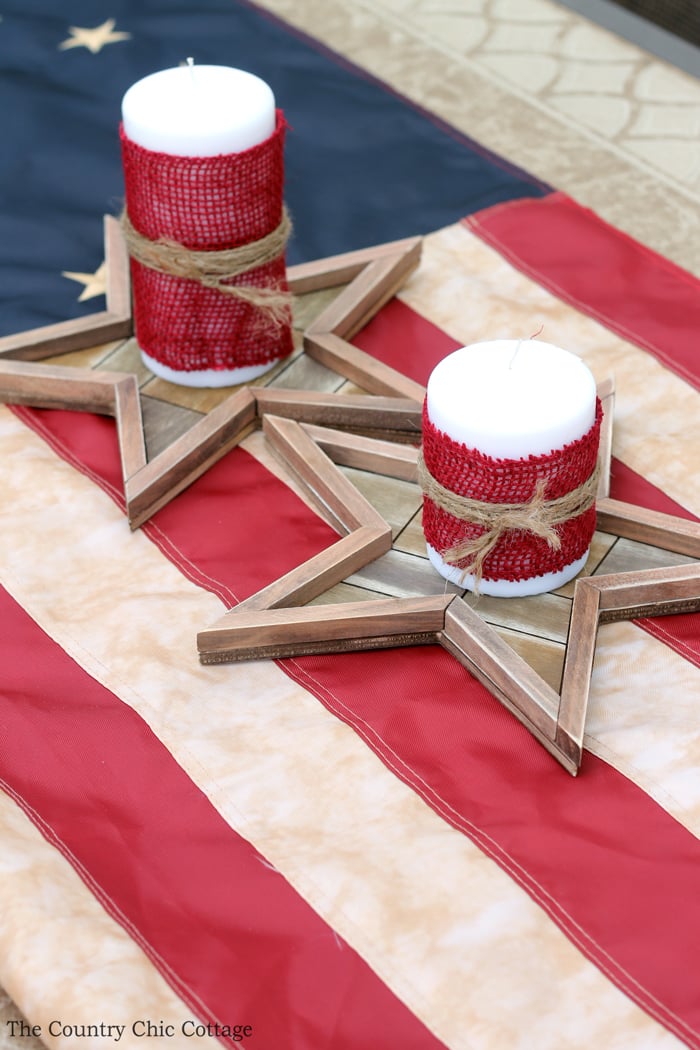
(227, 931)
(625, 285)
(403, 339)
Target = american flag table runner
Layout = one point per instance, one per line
(358, 850)
(236, 820)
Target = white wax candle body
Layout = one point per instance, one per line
(511, 399)
(199, 111)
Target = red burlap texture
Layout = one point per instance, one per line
(206, 204)
(519, 555)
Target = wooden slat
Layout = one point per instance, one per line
(396, 501)
(164, 423)
(77, 334)
(359, 367)
(649, 592)
(190, 456)
(336, 497)
(606, 393)
(340, 269)
(400, 575)
(359, 411)
(132, 445)
(355, 450)
(578, 664)
(496, 664)
(543, 655)
(118, 277)
(629, 556)
(543, 615)
(303, 373)
(50, 386)
(479, 648)
(385, 622)
(649, 526)
(367, 293)
(317, 575)
(307, 306)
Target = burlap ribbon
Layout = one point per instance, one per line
(214, 269)
(538, 517)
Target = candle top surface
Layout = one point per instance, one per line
(512, 398)
(199, 111)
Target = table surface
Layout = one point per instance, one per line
(613, 129)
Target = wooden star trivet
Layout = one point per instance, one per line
(373, 274)
(272, 624)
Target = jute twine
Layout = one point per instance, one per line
(214, 269)
(538, 517)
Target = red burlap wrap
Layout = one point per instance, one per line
(519, 555)
(206, 204)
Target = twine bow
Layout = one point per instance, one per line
(214, 269)
(538, 517)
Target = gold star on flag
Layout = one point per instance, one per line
(94, 39)
(95, 283)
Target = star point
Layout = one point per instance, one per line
(93, 39)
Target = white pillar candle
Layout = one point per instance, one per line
(200, 111)
(511, 399)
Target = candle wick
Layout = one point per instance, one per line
(515, 353)
(190, 66)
